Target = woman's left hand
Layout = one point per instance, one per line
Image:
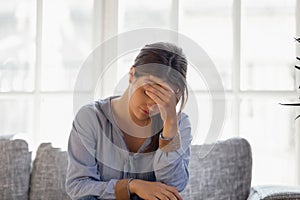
(165, 98)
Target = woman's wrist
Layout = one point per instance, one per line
(171, 121)
(131, 186)
(169, 131)
(166, 138)
(128, 189)
(170, 128)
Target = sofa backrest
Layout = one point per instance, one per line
(220, 171)
(217, 171)
(48, 175)
(15, 163)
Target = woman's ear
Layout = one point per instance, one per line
(131, 74)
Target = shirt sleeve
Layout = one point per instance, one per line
(82, 174)
(171, 163)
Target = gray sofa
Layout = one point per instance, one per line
(217, 171)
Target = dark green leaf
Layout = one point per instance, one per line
(290, 104)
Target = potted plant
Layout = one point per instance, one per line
(298, 68)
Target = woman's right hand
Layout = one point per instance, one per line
(153, 190)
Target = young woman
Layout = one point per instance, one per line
(135, 146)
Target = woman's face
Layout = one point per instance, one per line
(141, 106)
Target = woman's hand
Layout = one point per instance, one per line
(165, 98)
(153, 190)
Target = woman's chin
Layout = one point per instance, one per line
(142, 118)
(145, 118)
(153, 113)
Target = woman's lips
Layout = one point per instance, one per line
(145, 111)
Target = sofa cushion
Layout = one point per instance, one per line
(49, 174)
(220, 171)
(272, 192)
(14, 169)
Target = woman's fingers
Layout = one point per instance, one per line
(155, 97)
(169, 195)
(158, 97)
(164, 95)
(156, 87)
(174, 191)
(163, 87)
(161, 82)
(156, 190)
(154, 198)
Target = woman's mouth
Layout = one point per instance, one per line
(145, 111)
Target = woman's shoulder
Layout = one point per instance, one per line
(89, 108)
(99, 109)
(96, 106)
(182, 117)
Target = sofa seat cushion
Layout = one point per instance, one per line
(15, 160)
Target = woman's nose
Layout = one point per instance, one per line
(150, 103)
(153, 109)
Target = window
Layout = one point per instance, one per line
(268, 68)
(251, 44)
(17, 51)
(43, 44)
(66, 41)
(271, 24)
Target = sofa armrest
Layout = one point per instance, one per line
(272, 192)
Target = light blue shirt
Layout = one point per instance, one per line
(98, 155)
